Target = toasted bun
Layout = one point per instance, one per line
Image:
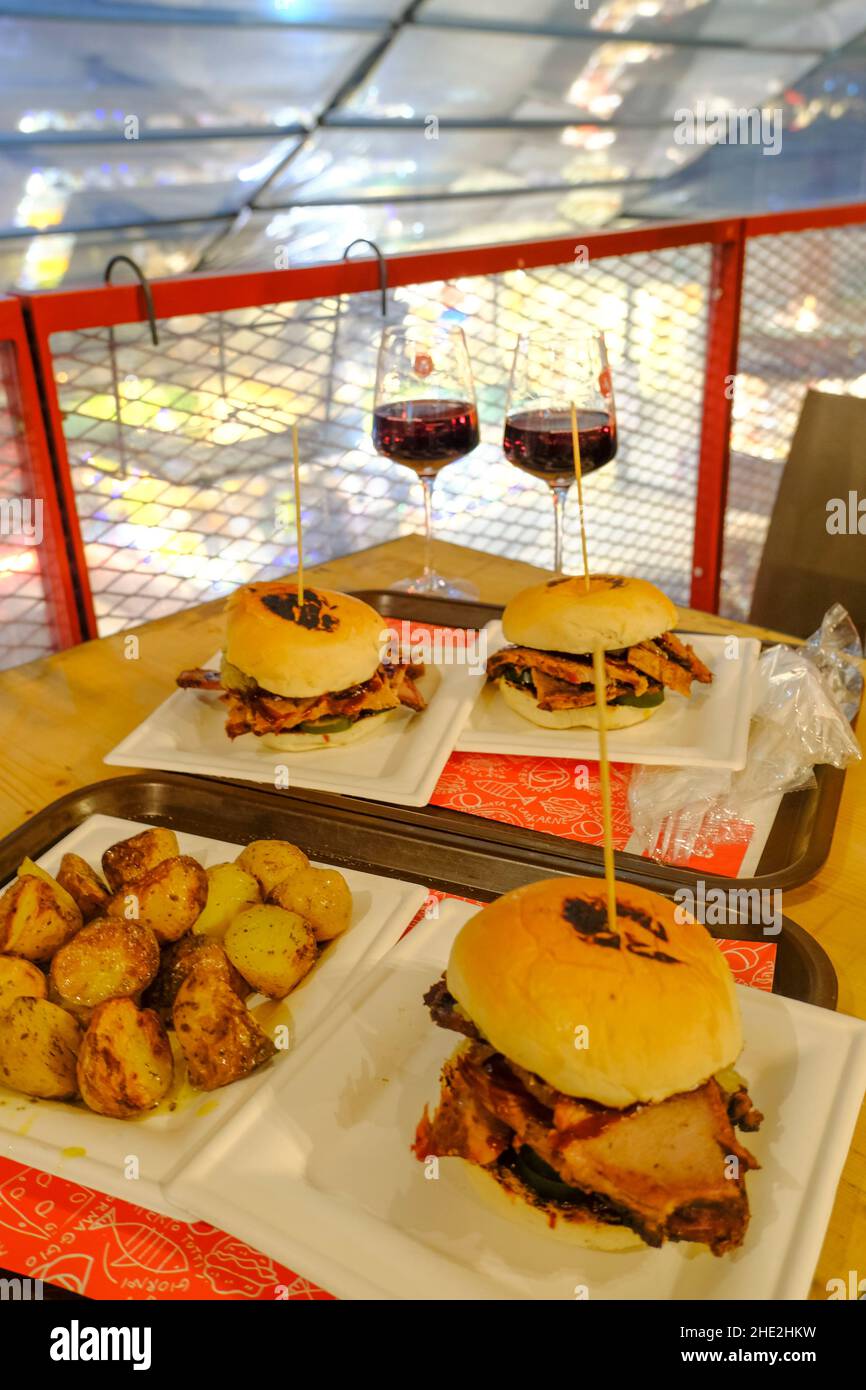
(536, 968)
(302, 743)
(524, 702)
(563, 616)
(334, 643)
(503, 1190)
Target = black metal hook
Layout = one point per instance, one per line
(383, 267)
(145, 287)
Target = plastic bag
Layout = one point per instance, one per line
(803, 701)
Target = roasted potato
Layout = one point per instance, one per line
(321, 896)
(272, 948)
(220, 1039)
(229, 890)
(36, 918)
(125, 1064)
(39, 1043)
(130, 860)
(27, 869)
(20, 979)
(108, 959)
(271, 862)
(168, 899)
(178, 959)
(83, 885)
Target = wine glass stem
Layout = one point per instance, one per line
(560, 493)
(427, 480)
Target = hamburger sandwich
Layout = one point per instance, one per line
(305, 675)
(546, 673)
(594, 1082)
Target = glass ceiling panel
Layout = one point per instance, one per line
(92, 77)
(117, 182)
(301, 236)
(507, 75)
(271, 11)
(343, 164)
(61, 258)
(818, 24)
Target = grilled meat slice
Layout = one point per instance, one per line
(665, 661)
(259, 712)
(199, 679)
(554, 694)
(664, 1166)
(446, 1013)
(684, 654)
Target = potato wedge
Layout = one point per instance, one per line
(83, 885)
(108, 959)
(178, 959)
(125, 1065)
(20, 979)
(321, 896)
(168, 899)
(220, 1039)
(39, 1043)
(27, 869)
(271, 862)
(271, 948)
(229, 890)
(129, 860)
(35, 920)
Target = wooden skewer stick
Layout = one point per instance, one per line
(297, 475)
(600, 682)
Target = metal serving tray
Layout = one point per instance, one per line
(375, 838)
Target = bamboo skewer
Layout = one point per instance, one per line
(600, 682)
(296, 466)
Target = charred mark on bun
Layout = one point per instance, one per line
(313, 612)
(588, 917)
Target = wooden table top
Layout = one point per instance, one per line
(60, 715)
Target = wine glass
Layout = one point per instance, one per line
(425, 417)
(550, 373)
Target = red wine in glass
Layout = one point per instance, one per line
(539, 442)
(425, 434)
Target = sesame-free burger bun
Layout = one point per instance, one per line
(618, 1018)
(525, 703)
(561, 615)
(333, 642)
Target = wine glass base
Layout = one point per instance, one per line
(433, 585)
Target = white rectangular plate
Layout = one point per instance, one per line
(317, 1170)
(74, 1143)
(710, 729)
(401, 764)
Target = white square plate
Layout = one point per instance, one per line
(400, 765)
(75, 1143)
(317, 1170)
(710, 729)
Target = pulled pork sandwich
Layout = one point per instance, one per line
(594, 1082)
(546, 673)
(306, 675)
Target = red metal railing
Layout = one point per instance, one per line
(64, 312)
(51, 610)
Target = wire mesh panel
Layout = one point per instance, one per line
(28, 626)
(802, 325)
(180, 454)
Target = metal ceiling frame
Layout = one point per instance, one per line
(333, 116)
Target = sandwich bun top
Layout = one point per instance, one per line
(333, 642)
(617, 1018)
(562, 615)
